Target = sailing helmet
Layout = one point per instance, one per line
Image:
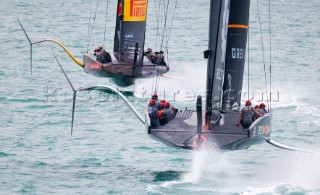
(262, 105)
(167, 105)
(155, 96)
(256, 107)
(152, 103)
(99, 48)
(248, 103)
(162, 103)
(149, 49)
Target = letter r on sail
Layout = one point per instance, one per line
(135, 10)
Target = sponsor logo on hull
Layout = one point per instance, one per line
(261, 131)
(93, 66)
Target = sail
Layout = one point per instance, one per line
(116, 46)
(130, 29)
(219, 16)
(236, 47)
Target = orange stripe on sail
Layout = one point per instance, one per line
(237, 26)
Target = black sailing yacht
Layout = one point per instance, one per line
(128, 59)
(216, 125)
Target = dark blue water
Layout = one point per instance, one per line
(110, 151)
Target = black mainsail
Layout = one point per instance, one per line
(227, 32)
(117, 33)
(235, 59)
(219, 13)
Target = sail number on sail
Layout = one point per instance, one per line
(238, 53)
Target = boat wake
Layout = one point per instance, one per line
(205, 161)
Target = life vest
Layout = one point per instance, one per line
(161, 117)
(262, 111)
(161, 114)
(104, 57)
(153, 113)
(247, 113)
(158, 105)
(255, 116)
(169, 113)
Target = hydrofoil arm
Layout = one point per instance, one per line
(97, 87)
(49, 40)
(276, 144)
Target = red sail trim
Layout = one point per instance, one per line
(119, 9)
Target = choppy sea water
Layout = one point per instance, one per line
(110, 151)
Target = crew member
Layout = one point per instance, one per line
(148, 52)
(262, 109)
(168, 111)
(161, 112)
(153, 113)
(245, 117)
(161, 117)
(255, 116)
(157, 58)
(102, 55)
(155, 98)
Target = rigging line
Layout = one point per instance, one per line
(270, 50)
(158, 82)
(248, 56)
(155, 8)
(89, 27)
(165, 23)
(158, 77)
(94, 19)
(157, 19)
(264, 64)
(159, 22)
(105, 26)
(248, 62)
(154, 78)
(174, 11)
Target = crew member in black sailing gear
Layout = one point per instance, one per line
(262, 109)
(153, 113)
(161, 112)
(157, 58)
(168, 111)
(102, 55)
(245, 117)
(148, 53)
(155, 98)
(255, 116)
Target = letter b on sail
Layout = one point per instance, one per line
(135, 10)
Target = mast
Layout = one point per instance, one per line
(117, 33)
(130, 28)
(236, 47)
(219, 16)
